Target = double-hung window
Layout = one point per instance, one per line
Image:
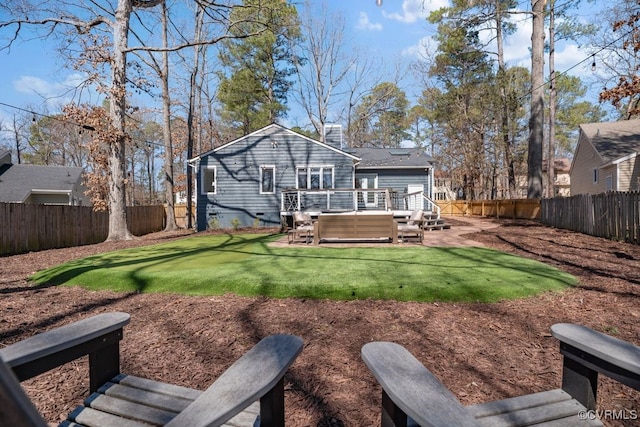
(209, 180)
(315, 177)
(267, 179)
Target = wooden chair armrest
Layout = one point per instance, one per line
(47, 350)
(258, 374)
(409, 389)
(610, 356)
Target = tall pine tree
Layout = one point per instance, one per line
(255, 80)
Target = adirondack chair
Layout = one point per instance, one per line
(123, 400)
(412, 395)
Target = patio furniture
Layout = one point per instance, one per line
(123, 400)
(414, 227)
(355, 226)
(411, 395)
(302, 228)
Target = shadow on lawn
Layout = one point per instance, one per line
(230, 247)
(157, 255)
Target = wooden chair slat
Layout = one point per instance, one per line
(157, 387)
(90, 417)
(535, 415)
(145, 397)
(518, 403)
(129, 410)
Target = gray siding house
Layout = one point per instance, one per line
(52, 185)
(262, 177)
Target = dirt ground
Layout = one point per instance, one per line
(480, 351)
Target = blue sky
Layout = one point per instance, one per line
(32, 77)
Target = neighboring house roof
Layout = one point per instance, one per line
(562, 165)
(275, 130)
(17, 182)
(392, 158)
(613, 140)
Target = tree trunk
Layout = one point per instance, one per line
(118, 229)
(192, 105)
(506, 137)
(536, 120)
(168, 144)
(551, 176)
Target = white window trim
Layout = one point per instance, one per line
(321, 172)
(262, 168)
(205, 191)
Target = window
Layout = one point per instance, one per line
(315, 177)
(267, 179)
(301, 178)
(595, 176)
(209, 180)
(327, 178)
(609, 183)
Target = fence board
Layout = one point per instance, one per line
(612, 215)
(34, 227)
(509, 208)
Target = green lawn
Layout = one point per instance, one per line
(244, 264)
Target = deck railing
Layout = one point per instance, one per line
(417, 201)
(338, 200)
(359, 199)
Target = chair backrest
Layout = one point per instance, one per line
(416, 216)
(15, 407)
(301, 218)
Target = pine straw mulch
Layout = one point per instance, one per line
(480, 351)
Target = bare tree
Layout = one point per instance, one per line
(326, 64)
(82, 23)
(102, 33)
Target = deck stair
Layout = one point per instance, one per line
(432, 222)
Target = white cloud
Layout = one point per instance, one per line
(568, 56)
(365, 24)
(415, 10)
(52, 93)
(425, 48)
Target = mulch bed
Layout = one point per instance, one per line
(480, 351)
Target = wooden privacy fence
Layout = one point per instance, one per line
(34, 227)
(613, 215)
(507, 208)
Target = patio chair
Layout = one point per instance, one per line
(124, 400)
(302, 227)
(411, 395)
(413, 227)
